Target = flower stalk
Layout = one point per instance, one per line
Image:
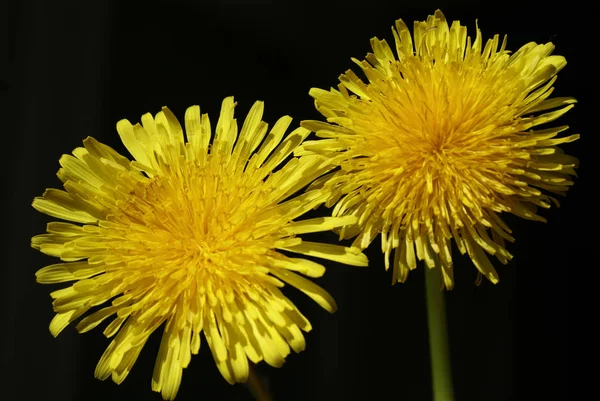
(257, 386)
(441, 372)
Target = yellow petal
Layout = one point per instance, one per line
(316, 293)
(336, 253)
(62, 320)
(304, 266)
(272, 140)
(63, 210)
(132, 143)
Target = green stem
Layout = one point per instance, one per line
(441, 373)
(257, 386)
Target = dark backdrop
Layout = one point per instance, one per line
(74, 68)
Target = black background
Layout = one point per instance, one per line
(74, 68)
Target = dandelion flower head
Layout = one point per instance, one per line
(438, 141)
(189, 235)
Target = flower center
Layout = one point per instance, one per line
(195, 216)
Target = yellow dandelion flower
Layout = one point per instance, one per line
(439, 141)
(189, 234)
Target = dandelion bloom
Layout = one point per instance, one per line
(189, 235)
(439, 141)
